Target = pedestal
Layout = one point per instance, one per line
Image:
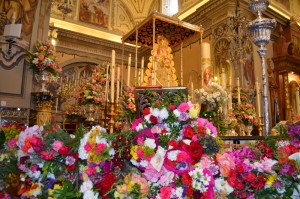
(44, 102)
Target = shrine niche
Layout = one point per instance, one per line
(286, 60)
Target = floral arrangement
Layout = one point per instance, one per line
(97, 151)
(92, 91)
(246, 114)
(9, 176)
(43, 58)
(128, 103)
(48, 158)
(214, 95)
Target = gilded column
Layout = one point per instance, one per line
(288, 114)
(44, 102)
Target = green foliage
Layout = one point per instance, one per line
(2, 139)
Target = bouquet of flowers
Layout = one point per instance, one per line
(92, 91)
(246, 114)
(128, 102)
(214, 95)
(43, 58)
(48, 157)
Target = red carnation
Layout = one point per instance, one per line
(240, 185)
(173, 143)
(239, 168)
(189, 191)
(172, 107)
(105, 185)
(189, 132)
(153, 119)
(186, 179)
(250, 177)
(146, 111)
(231, 181)
(195, 150)
(64, 150)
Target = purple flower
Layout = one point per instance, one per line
(183, 116)
(70, 160)
(278, 184)
(285, 169)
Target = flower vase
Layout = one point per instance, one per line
(43, 79)
(246, 129)
(89, 112)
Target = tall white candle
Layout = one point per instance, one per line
(181, 65)
(192, 90)
(297, 101)
(106, 83)
(118, 82)
(229, 96)
(223, 78)
(238, 90)
(112, 88)
(142, 71)
(128, 69)
(258, 101)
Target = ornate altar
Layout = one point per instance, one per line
(286, 80)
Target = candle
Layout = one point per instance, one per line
(142, 71)
(14, 17)
(106, 83)
(297, 101)
(223, 78)
(118, 82)
(128, 69)
(84, 73)
(229, 96)
(181, 65)
(238, 90)
(258, 98)
(192, 90)
(112, 87)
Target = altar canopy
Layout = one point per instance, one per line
(175, 31)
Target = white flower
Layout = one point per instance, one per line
(150, 143)
(164, 114)
(158, 159)
(50, 175)
(176, 113)
(135, 163)
(90, 195)
(111, 152)
(155, 112)
(187, 141)
(85, 186)
(172, 155)
(222, 186)
(144, 163)
(179, 192)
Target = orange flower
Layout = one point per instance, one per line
(226, 163)
(41, 57)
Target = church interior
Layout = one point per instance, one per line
(237, 60)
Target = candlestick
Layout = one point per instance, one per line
(142, 71)
(258, 98)
(238, 90)
(118, 82)
(14, 17)
(192, 90)
(112, 86)
(128, 69)
(229, 97)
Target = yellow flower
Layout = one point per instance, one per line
(130, 186)
(194, 111)
(118, 195)
(270, 179)
(133, 152)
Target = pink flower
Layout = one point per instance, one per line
(90, 171)
(88, 147)
(151, 173)
(207, 124)
(183, 107)
(100, 148)
(47, 155)
(140, 152)
(226, 163)
(57, 145)
(12, 143)
(165, 192)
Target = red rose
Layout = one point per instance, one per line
(250, 177)
(172, 107)
(36, 143)
(64, 150)
(186, 179)
(173, 143)
(240, 168)
(231, 181)
(71, 168)
(189, 191)
(195, 150)
(189, 132)
(146, 111)
(243, 195)
(239, 185)
(153, 119)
